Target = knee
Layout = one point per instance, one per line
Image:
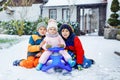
(36, 61)
(62, 51)
(29, 63)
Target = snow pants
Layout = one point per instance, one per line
(44, 57)
(30, 62)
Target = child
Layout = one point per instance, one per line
(34, 48)
(73, 45)
(53, 39)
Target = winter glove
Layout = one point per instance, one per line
(48, 46)
(79, 67)
(61, 45)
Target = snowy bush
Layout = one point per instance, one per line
(20, 27)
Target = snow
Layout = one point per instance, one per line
(107, 66)
(71, 2)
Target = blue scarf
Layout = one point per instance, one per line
(70, 40)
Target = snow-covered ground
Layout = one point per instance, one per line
(107, 66)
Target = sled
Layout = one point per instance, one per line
(57, 61)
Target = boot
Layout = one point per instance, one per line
(71, 62)
(16, 62)
(39, 66)
(93, 62)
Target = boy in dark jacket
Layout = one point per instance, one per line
(34, 48)
(74, 47)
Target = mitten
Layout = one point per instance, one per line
(48, 46)
(61, 45)
(79, 67)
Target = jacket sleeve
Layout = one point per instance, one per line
(62, 41)
(78, 50)
(32, 47)
(45, 43)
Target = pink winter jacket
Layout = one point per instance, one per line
(53, 40)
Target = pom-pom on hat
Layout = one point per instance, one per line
(41, 24)
(52, 23)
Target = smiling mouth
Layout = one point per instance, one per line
(65, 35)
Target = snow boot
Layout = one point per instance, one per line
(39, 66)
(93, 62)
(71, 62)
(16, 62)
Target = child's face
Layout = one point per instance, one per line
(52, 30)
(65, 33)
(42, 31)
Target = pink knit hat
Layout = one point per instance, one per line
(52, 23)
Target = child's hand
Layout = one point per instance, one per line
(48, 46)
(79, 67)
(61, 45)
(38, 54)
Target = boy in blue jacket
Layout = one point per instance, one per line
(34, 48)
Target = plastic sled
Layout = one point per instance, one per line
(57, 61)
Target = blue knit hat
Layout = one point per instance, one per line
(68, 27)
